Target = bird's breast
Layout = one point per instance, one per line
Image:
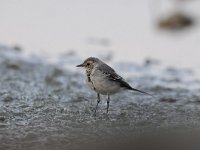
(102, 85)
(89, 81)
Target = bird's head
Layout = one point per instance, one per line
(89, 63)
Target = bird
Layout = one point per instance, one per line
(104, 80)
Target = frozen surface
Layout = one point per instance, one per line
(49, 106)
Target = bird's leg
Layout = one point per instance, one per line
(98, 100)
(108, 102)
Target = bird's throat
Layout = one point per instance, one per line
(88, 73)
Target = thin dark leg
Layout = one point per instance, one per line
(108, 102)
(98, 100)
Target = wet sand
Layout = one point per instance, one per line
(49, 106)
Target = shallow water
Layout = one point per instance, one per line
(47, 105)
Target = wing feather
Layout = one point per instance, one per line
(113, 76)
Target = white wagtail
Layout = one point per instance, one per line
(104, 80)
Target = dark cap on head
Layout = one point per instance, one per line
(93, 59)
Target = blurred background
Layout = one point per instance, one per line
(126, 30)
(153, 44)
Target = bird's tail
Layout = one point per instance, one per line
(127, 86)
(140, 91)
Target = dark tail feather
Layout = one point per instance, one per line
(127, 86)
(141, 91)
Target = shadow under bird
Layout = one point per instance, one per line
(104, 80)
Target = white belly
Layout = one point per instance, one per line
(101, 85)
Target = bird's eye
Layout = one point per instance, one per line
(88, 64)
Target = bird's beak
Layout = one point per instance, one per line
(81, 65)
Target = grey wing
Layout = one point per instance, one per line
(113, 76)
